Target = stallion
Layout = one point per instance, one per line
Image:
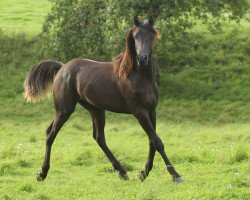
(125, 85)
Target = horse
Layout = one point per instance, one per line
(125, 85)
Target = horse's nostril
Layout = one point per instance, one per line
(142, 59)
(145, 57)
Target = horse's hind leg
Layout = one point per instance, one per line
(98, 117)
(51, 133)
(48, 130)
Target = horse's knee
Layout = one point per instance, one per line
(50, 138)
(100, 140)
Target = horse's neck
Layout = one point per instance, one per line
(149, 70)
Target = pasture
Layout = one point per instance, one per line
(209, 149)
(23, 16)
(211, 159)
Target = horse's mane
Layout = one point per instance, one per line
(123, 63)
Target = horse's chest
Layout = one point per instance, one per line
(147, 97)
(139, 93)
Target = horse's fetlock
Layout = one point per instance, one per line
(115, 166)
(45, 168)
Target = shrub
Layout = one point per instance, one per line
(97, 29)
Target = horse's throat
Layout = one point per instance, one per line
(148, 70)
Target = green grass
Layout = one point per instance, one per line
(213, 160)
(23, 16)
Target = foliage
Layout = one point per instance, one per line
(15, 47)
(74, 27)
(97, 29)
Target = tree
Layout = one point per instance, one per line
(74, 28)
(97, 29)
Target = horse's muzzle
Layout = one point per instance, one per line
(142, 60)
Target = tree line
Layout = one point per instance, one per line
(97, 29)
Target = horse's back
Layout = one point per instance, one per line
(92, 82)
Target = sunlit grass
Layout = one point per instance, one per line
(19, 16)
(213, 160)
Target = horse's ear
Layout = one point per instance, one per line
(136, 21)
(151, 20)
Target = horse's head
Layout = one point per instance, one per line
(143, 34)
(139, 44)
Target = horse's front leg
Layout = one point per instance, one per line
(149, 164)
(142, 116)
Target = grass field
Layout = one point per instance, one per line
(206, 136)
(212, 160)
(23, 16)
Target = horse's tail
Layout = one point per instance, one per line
(39, 80)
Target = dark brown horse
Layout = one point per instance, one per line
(126, 85)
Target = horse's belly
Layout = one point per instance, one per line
(106, 99)
(110, 103)
(96, 85)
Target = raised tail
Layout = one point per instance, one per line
(39, 80)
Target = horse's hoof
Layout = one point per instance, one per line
(123, 176)
(142, 176)
(39, 177)
(177, 180)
